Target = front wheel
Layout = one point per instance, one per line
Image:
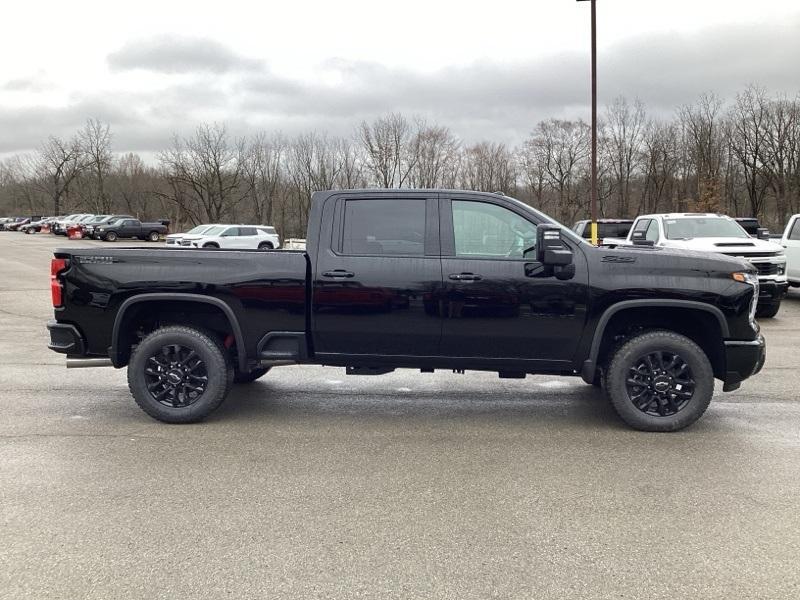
(659, 381)
(211, 246)
(179, 374)
(767, 311)
(111, 236)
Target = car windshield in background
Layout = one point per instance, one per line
(198, 229)
(687, 228)
(214, 231)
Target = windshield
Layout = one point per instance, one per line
(214, 231)
(199, 229)
(702, 227)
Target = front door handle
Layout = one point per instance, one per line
(464, 277)
(338, 273)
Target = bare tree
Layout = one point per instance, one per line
(622, 142)
(748, 141)
(95, 144)
(437, 154)
(702, 123)
(56, 164)
(264, 172)
(389, 146)
(207, 173)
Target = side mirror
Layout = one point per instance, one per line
(639, 239)
(550, 249)
(762, 233)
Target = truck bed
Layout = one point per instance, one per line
(264, 290)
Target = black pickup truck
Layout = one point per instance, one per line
(428, 279)
(130, 228)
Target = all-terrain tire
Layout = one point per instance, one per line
(660, 343)
(215, 366)
(767, 311)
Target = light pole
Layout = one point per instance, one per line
(594, 121)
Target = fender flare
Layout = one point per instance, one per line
(590, 364)
(178, 297)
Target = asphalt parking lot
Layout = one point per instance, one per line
(310, 483)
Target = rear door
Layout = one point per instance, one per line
(377, 274)
(792, 244)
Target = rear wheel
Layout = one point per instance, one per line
(659, 381)
(767, 311)
(265, 246)
(154, 236)
(179, 374)
(111, 236)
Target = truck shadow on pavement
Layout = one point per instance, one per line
(577, 407)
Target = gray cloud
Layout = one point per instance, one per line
(179, 54)
(483, 100)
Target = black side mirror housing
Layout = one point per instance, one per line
(550, 249)
(638, 238)
(762, 233)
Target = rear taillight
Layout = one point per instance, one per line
(57, 265)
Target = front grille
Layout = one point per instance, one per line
(186, 243)
(766, 268)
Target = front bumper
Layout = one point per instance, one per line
(743, 359)
(65, 339)
(771, 290)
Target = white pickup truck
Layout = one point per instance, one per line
(706, 232)
(791, 244)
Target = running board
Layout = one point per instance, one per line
(80, 363)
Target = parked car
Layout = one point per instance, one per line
(234, 237)
(791, 243)
(60, 226)
(91, 226)
(131, 228)
(36, 226)
(17, 224)
(294, 244)
(398, 271)
(610, 232)
(706, 232)
(174, 239)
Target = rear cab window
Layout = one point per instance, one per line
(390, 227)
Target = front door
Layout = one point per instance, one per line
(498, 302)
(377, 275)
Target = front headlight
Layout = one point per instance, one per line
(750, 279)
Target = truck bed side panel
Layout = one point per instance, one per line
(265, 290)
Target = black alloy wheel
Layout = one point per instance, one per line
(659, 380)
(176, 376)
(660, 384)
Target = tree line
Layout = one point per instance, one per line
(740, 157)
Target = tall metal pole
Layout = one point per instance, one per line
(593, 227)
(594, 123)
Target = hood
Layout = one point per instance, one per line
(726, 245)
(669, 258)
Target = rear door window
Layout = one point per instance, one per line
(384, 227)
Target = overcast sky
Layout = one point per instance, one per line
(487, 69)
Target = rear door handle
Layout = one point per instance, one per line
(464, 277)
(338, 273)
